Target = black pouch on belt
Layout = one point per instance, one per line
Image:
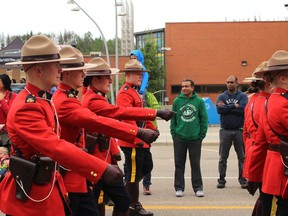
(104, 142)
(284, 155)
(23, 171)
(46, 167)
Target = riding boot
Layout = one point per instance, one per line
(115, 213)
(101, 209)
(136, 208)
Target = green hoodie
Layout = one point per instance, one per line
(191, 121)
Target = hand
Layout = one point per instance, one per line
(165, 114)
(236, 105)
(252, 187)
(147, 135)
(220, 103)
(112, 174)
(2, 95)
(117, 157)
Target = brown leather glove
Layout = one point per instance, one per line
(252, 187)
(165, 114)
(147, 135)
(112, 174)
(117, 157)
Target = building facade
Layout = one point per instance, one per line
(209, 52)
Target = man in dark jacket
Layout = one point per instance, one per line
(230, 105)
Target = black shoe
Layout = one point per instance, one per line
(221, 185)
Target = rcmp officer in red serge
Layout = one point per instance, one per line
(73, 118)
(99, 79)
(268, 161)
(251, 123)
(138, 158)
(32, 188)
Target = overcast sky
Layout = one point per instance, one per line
(46, 16)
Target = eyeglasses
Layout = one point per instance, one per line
(230, 82)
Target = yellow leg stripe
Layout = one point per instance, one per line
(133, 165)
(101, 197)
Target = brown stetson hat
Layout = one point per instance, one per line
(133, 66)
(101, 67)
(278, 61)
(39, 49)
(257, 73)
(77, 62)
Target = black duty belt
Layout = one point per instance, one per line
(274, 147)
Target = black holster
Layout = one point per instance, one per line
(97, 139)
(284, 155)
(27, 172)
(23, 172)
(45, 168)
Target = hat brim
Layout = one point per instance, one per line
(251, 79)
(86, 66)
(113, 71)
(272, 69)
(134, 70)
(38, 62)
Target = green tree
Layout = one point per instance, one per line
(153, 63)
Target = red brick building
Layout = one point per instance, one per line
(209, 52)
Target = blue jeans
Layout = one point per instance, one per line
(227, 138)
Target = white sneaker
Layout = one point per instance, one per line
(179, 193)
(199, 193)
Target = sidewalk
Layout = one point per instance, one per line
(212, 137)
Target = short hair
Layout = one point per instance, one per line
(4, 150)
(189, 80)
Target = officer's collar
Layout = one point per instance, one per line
(95, 90)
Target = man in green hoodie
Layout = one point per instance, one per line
(188, 128)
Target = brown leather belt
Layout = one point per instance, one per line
(274, 147)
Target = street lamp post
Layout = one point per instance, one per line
(104, 40)
(116, 42)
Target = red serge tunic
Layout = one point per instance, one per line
(5, 105)
(252, 116)
(265, 164)
(73, 118)
(97, 103)
(31, 127)
(129, 97)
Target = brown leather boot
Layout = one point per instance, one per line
(115, 213)
(136, 208)
(101, 209)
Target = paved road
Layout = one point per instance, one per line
(229, 201)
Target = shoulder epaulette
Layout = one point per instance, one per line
(126, 87)
(285, 95)
(30, 99)
(72, 93)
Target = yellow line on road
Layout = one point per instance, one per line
(195, 207)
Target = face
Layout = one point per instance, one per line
(134, 78)
(102, 84)
(1, 84)
(231, 84)
(133, 57)
(3, 152)
(74, 78)
(50, 73)
(187, 89)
